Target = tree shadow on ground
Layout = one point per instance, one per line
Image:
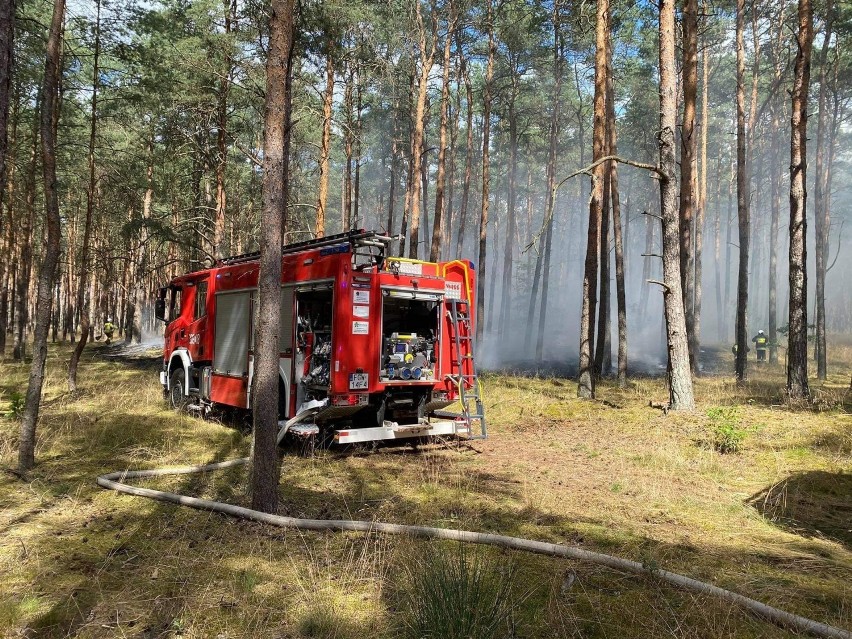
(815, 503)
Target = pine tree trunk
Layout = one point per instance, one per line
(426, 61)
(49, 115)
(797, 337)
(700, 216)
(486, 142)
(222, 140)
(325, 148)
(438, 230)
(742, 205)
(779, 62)
(25, 263)
(822, 194)
(586, 383)
(348, 147)
(511, 216)
(468, 157)
(689, 141)
(615, 199)
(680, 379)
(83, 302)
(265, 392)
(7, 37)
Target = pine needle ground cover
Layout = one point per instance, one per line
(771, 520)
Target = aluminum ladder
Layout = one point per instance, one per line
(464, 370)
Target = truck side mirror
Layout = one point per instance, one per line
(160, 306)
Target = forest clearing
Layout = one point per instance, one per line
(770, 521)
(435, 319)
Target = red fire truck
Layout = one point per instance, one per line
(372, 347)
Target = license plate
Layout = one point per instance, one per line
(358, 381)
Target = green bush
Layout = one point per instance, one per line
(458, 595)
(727, 431)
(16, 405)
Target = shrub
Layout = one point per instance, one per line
(727, 432)
(458, 595)
(16, 405)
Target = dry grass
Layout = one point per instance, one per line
(772, 522)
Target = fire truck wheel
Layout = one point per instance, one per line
(177, 396)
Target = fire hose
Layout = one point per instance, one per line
(116, 481)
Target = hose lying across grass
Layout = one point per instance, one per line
(115, 481)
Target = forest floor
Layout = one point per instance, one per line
(772, 521)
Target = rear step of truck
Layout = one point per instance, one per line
(464, 372)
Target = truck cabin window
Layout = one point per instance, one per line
(409, 338)
(174, 306)
(201, 300)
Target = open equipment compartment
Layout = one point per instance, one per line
(410, 333)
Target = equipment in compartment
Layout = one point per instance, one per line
(408, 357)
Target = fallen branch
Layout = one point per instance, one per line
(114, 481)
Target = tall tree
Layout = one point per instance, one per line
(680, 379)
(797, 336)
(7, 37)
(822, 195)
(265, 394)
(47, 273)
(440, 178)
(486, 167)
(742, 204)
(426, 47)
(541, 277)
(325, 144)
(615, 201)
(689, 140)
(586, 383)
(229, 11)
(83, 303)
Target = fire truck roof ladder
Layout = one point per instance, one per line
(464, 370)
(354, 238)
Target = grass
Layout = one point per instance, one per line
(614, 475)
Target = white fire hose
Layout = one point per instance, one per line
(115, 481)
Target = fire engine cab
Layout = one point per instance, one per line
(372, 347)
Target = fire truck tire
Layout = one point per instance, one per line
(177, 395)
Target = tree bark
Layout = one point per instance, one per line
(680, 379)
(468, 158)
(222, 137)
(742, 205)
(486, 141)
(542, 261)
(426, 61)
(689, 145)
(49, 117)
(822, 196)
(25, 261)
(586, 383)
(438, 230)
(7, 37)
(265, 393)
(700, 217)
(797, 337)
(511, 214)
(325, 148)
(615, 199)
(83, 302)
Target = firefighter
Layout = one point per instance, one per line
(761, 343)
(109, 329)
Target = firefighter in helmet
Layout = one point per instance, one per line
(761, 343)
(109, 329)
